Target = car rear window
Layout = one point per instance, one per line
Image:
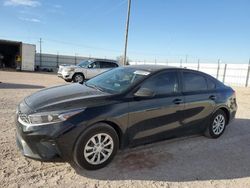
(210, 84)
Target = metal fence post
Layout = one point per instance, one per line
(57, 60)
(218, 69)
(248, 71)
(181, 63)
(40, 60)
(224, 74)
(198, 66)
(75, 59)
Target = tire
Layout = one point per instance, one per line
(78, 77)
(217, 124)
(87, 154)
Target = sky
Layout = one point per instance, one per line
(165, 30)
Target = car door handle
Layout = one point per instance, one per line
(177, 101)
(212, 97)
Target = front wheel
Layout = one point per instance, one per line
(217, 125)
(78, 78)
(96, 147)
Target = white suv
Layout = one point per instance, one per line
(85, 70)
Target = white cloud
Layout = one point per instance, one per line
(56, 9)
(35, 20)
(28, 3)
(57, 6)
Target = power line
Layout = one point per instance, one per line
(132, 52)
(82, 45)
(104, 12)
(113, 8)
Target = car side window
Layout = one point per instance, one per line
(94, 65)
(108, 65)
(162, 83)
(194, 82)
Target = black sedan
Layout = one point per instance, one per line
(124, 107)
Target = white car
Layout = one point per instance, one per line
(85, 70)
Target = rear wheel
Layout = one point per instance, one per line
(96, 147)
(78, 77)
(217, 125)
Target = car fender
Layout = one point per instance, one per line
(81, 70)
(222, 106)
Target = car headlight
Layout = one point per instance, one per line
(50, 117)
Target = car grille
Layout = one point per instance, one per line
(23, 117)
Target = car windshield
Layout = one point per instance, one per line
(84, 63)
(117, 80)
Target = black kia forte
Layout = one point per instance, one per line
(124, 107)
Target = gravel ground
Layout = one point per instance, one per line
(193, 161)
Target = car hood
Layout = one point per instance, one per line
(69, 66)
(64, 97)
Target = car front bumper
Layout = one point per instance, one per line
(65, 75)
(52, 142)
(43, 151)
(38, 143)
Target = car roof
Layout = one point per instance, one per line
(152, 68)
(106, 60)
(155, 68)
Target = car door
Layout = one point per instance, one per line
(157, 117)
(93, 69)
(199, 99)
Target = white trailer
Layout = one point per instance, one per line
(28, 52)
(17, 55)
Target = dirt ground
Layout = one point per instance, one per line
(193, 161)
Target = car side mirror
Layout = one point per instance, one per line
(144, 93)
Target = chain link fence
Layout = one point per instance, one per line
(53, 61)
(230, 74)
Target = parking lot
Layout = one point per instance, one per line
(193, 161)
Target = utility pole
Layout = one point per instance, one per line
(126, 34)
(40, 41)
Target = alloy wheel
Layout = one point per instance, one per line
(78, 78)
(218, 124)
(98, 148)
